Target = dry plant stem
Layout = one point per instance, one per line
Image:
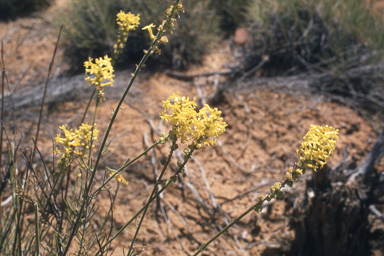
(93, 172)
(148, 203)
(20, 218)
(45, 93)
(150, 197)
(37, 230)
(1, 127)
(2, 102)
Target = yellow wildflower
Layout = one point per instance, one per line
(152, 36)
(149, 28)
(85, 136)
(102, 69)
(202, 128)
(119, 177)
(126, 23)
(75, 143)
(70, 141)
(317, 146)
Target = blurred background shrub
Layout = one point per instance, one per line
(302, 35)
(11, 9)
(90, 29)
(232, 14)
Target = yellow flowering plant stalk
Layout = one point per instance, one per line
(126, 22)
(102, 70)
(63, 217)
(318, 145)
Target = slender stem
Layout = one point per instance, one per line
(45, 93)
(37, 230)
(93, 128)
(150, 197)
(166, 185)
(88, 188)
(203, 246)
(120, 170)
(86, 109)
(2, 101)
(255, 206)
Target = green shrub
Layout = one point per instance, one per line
(232, 13)
(11, 9)
(302, 35)
(90, 29)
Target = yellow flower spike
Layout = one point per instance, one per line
(126, 22)
(202, 129)
(319, 143)
(75, 143)
(102, 69)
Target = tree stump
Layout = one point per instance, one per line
(332, 218)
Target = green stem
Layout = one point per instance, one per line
(146, 205)
(120, 170)
(89, 186)
(203, 246)
(89, 103)
(150, 197)
(268, 197)
(37, 230)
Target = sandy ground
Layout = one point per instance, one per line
(264, 130)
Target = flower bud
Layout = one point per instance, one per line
(163, 161)
(288, 176)
(173, 178)
(258, 209)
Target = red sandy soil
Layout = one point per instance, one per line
(275, 123)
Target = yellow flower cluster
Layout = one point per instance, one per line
(202, 128)
(126, 22)
(76, 142)
(317, 146)
(167, 24)
(102, 70)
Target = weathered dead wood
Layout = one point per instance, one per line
(333, 216)
(65, 89)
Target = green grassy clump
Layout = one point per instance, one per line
(317, 35)
(11, 9)
(90, 30)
